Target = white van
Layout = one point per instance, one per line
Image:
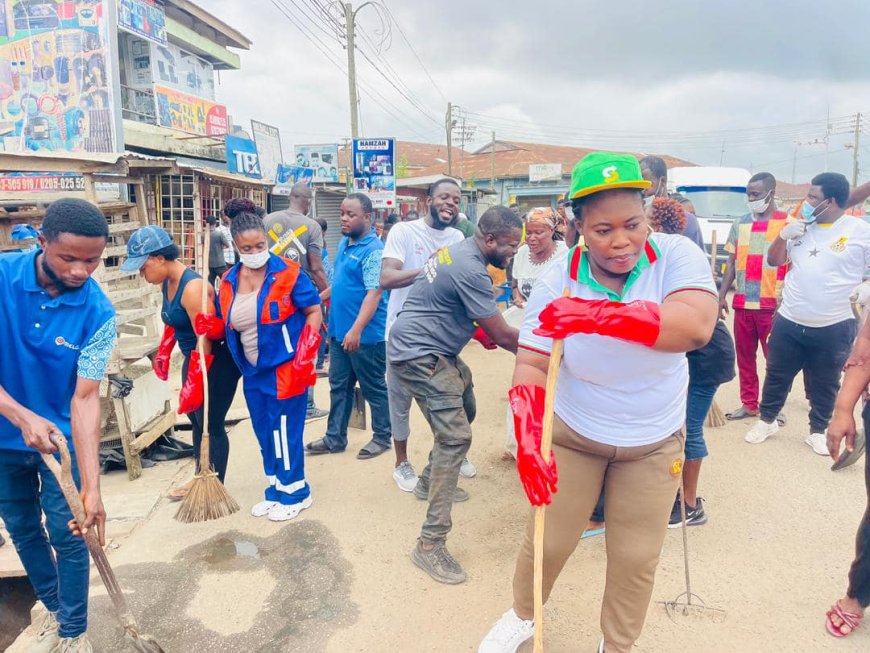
(718, 195)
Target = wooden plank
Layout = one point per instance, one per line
(123, 227)
(117, 250)
(116, 179)
(131, 454)
(117, 296)
(157, 428)
(114, 274)
(124, 316)
(90, 189)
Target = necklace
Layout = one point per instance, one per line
(532, 259)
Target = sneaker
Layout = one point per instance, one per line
(438, 563)
(283, 512)
(423, 493)
(405, 476)
(468, 470)
(819, 443)
(80, 644)
(316, 414)
(46, 636)
(262, 509)
(694, 516)
(761, 431)
(508, 634)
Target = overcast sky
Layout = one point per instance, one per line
(680, 77)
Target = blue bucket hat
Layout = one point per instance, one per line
(143, 243)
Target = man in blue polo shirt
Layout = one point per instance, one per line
(357, 319)
(59, 331)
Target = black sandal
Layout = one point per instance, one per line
(372, 450)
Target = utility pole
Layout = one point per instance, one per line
(492, 164)
(349, 26)
(448, 123)
(856, 147)
(722, 157)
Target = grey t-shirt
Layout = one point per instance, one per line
(307, 236)
(453, 290)
(217, 241)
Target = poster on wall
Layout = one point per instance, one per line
(268, 140)
(322, 159)
(286, 176)
(55, 77)
(374, 170)
(188, 113)
(145, 18)
(182, 71)
(242, 157)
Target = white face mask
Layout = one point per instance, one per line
(255, 261)
(759, 206)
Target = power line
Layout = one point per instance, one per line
(414, 52)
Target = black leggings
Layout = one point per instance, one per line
(223, 379)
(859, 574)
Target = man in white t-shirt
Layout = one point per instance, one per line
(813, 332)
(408, 247)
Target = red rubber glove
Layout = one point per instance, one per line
(209, 325)
(190, 397)
(164, 353)
(304, 374)
(483, 339)
(539, 477)
(637, 321)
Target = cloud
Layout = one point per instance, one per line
(668, 77)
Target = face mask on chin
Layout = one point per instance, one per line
(255, 261)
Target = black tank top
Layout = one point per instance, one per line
(174, 315)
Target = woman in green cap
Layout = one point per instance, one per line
(629, 305)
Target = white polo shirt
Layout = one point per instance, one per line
(413, 243)
(825, 265)
(613, 391)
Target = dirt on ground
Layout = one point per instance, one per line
(339, 578)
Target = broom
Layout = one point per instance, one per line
(208, 498)
(62, 472)
(541, 511)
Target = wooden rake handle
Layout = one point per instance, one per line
(541, 511)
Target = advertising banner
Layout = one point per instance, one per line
(268, 140)
(242, 157)
(55, 77)
(545, 172)
(323, 159)
(145, 18)
(286, 176)
(188, 113)
(374, 170)
(182, 71)
(38, 182)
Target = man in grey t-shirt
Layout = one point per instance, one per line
(450, 298)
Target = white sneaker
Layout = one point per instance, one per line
(819, 443)
(507, 635)
(80, 644)
(761, 431)
(285, 513)
(46, 637)
(405, 476)
(601, 645)
(468, 470)
(262, 509)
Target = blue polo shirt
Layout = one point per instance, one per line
(48, 343)
(357, 270)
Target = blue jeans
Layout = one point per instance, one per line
(27, 490)
(699, 400)
(368, 365)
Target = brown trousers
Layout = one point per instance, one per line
(640, 485)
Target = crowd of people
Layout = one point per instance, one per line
(617, 270)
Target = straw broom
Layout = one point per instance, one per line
(541, 511)
(208, 498)
(62, 472)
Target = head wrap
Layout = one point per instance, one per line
(543, 215)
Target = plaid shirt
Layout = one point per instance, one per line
(758, 284)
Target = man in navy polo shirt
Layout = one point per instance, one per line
(59, 331)
(357, 319)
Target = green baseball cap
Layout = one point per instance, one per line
(598, 171)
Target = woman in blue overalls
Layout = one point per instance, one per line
(270, 316)
(152, 253)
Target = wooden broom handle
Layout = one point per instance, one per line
(541, 511)
(204, 454)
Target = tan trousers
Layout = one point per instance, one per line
(640, 487)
